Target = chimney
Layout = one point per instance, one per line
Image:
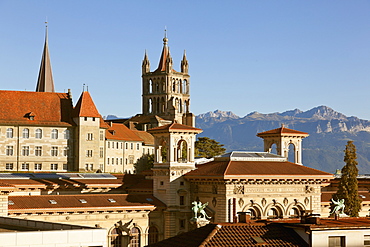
(244, 217)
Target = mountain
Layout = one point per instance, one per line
(329, 132)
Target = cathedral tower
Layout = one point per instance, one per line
(166, 92)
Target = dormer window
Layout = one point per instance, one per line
(111, 200)
(30, 116)
(82, 200)
(52, 202)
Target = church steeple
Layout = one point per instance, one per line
(166, 92)
(45, 82)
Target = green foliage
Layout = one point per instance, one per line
(144, 163)
(164, 153)
(348, 184)
(208, 148)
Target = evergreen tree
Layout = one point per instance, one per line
(208, 148)
(348, 184)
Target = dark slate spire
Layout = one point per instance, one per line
(45, 81)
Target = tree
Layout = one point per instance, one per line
(348, 184)
(144, 163)
(208, 148)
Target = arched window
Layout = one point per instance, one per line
(54, 134)
(274, 213)
(26, 133)
(135, 237)
(182, 151)
(115, 238)
(294, 213)
(291, 153)
(152, 235)
(9, 133)
(150, 86)
(66, 134)
(273, 149)
(38, 133)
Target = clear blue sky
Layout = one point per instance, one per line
(244, 56)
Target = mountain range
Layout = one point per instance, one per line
(329, 132)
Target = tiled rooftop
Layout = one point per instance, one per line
(239, 234)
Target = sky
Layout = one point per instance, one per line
(244, 56)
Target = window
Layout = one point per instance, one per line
(182, 223)
(54, 134)
(115, 238)
(25, 166)
(25, 150)
(38, 167)
(182, 200)
(54, 151)
(65, 167)
(93, 119)
(121, 161)
(89, 153)
(108, 144)
(138, 146)
(91, 167)
(117, 145)
(9, 166)
(132, 146)
(53, 167)
(53, 202)
(101, 153)
(101, 167)
(9, 133)
(38, 133)
(86, 167)
(126, 145)
(135, 237)
(26, 133)
(153, 235)
(116, 161)
(107, 161)
(85, 118)
(367, 240)
(65, 151)
(9, 150)
(131, 159)
(38, 151)
(89, 136)
(66, 134)
(101, 135)
(337, 241)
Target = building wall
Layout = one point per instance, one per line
(353, 237)
(31, 150)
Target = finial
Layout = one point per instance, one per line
(83, 87)
(282, 125)
(165, 40)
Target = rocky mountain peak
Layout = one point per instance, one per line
(218, 114)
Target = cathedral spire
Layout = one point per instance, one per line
(165, 62)
(45, 81)
(184, 64)
(146, 64)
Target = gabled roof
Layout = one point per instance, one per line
(85, 106)
(255, 169)
(45, 82)
(145, 136)
(46, 108)
(235, 234)
(118, 131)
(175, 126)
(23, 204)
(282, 131)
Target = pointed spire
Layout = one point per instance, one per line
(146, 64)
(45, 81)
(165, 62)
(184, 64)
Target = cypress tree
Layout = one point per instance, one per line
(348, 184)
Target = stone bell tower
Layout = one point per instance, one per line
(166, 92)
(283, 137)
(174, 156)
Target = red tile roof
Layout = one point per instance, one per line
(85, 106)
(23, 204)
(282, 130)
(230, 169)
(145, 136)
(48, 108)
(239, 234)
(118, 131)
(176, 126)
